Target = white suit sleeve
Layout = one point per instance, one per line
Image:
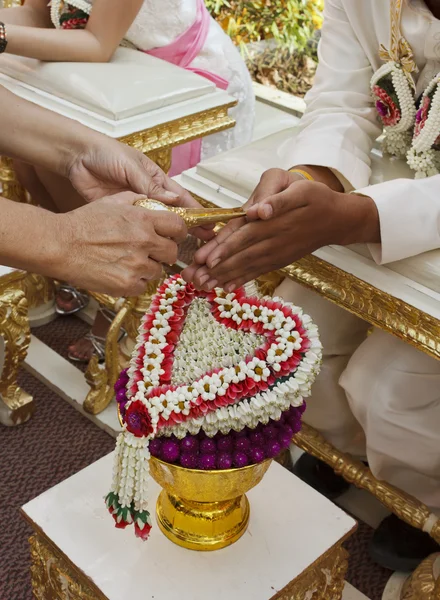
(409, 213)
(340, 124)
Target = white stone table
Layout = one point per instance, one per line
(291, 550)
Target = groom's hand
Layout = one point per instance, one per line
(281, 229)
(273, 181)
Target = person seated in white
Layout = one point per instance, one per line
(377, 397)
(179, 31)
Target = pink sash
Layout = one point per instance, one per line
(181, 52)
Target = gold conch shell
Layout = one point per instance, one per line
(194, 217)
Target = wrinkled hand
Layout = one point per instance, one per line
(113, 247)
(280, 229)
(110, 167)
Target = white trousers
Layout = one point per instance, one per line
(376, 397)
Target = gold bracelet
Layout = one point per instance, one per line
(302, 174)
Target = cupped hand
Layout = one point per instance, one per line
(113, 247)
(272, 182)
(281, 229)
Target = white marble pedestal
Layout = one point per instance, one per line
(291, 550)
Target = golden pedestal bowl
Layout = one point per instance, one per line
(204, 510)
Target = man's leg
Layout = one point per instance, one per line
(394, 392)
(341, 333)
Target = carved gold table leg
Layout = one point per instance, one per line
(16, 406)
(102, 378)
(323, 580)
(54, 577)
(406, 507)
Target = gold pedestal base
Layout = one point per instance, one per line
(204, 510)
(202, 525)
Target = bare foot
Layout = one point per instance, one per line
(70, 302)
(83, 349)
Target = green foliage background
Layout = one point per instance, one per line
(290, 22)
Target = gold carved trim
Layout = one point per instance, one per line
(423, 584)
(403, 505)
(369, 303)
(55, 577)
(102, 378)
(323, 580)
(38, 290)
(179, 131)
(16, 334)
(11, 188)
(162, 158)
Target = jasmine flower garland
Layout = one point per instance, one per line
(216, 381)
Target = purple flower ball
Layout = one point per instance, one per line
(207, 462)
(242, 444)
(287, 429)
(295, 423)
(170, 451)
(188, 460)
(225, 444)
(257, 455)
(189, 444)
(120, 384)
(155, 447)
(207, 446)
(271, 431)
(240, 460)
(224, 460)
(273, 448)
(242, 433)
(121, 395)
(284, 440)
(256, 438)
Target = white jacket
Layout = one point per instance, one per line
(340, 125)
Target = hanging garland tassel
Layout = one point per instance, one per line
(128, 500)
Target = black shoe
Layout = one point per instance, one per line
(400, 547)
(320, 477)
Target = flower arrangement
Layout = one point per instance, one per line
(216, 381)
(411, 126)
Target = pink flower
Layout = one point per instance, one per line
(422, 116)
(138, 420)
(387, 109)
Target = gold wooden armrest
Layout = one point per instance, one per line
(407, 508)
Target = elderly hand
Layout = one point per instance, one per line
(280, 229)
(112, 246)
(108, 167)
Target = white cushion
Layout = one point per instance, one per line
(239, 171)
(132, 83)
